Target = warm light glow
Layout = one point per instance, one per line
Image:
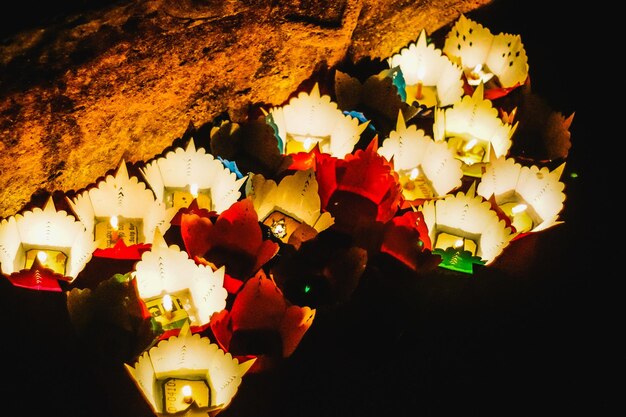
(187, 394)
(42, 256)
(167, 303)
(458, 243)
(114, 221)
(469, 145)
(193, 190)
(420, 82)
(415, 172)
(308, 143)
(519, 208)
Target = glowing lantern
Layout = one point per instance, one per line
(176, 289)
(292, 205)
(187, 374)
(54, 239)
(121, 208)
(186, 174)
(427, 169)
(498, 60)
(431, 78)
(466, 227)
(310, 120)
(532, 197)
(473, 129)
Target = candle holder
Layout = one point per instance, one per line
(183, 175)
(426, 169)
(498, 61)
(175, 289)
(431, 78)
(465, 230)
(121, 208)
(530, 196)
(163, 372)
(474, 131)
(291, 209)
(312, 120)
(54, 238)
(261, 323)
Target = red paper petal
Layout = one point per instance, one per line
(259, 305)
(402, 238)
(194, 230)
(37, 278)
(121, 251)
(296, 322)
(221, 328)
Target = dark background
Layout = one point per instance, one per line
(507, 341)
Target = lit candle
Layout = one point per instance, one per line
(468, 150)
(448, 240)
(519, 215)
(478, 75)
(108, 232)
(48, 258)
(182, 198)
(305, 143)
(178, 394)
(169, 310)
(415, 185)
(167, 306)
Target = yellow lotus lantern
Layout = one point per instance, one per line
(427, 169)
(486, 58)
(532, 197)
(53, 238)
(431, 78)
(121, 208)
(290, 208)
(182, 175)
(310, 120)
(187, 375)
(474, 131)
(464, 229)
(176, 289)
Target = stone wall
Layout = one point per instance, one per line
(122, 82)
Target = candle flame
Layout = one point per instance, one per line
(114, 221)
(167, 303)
(193, 189)
(519, 208)
(478, 68)
(458, 243)
(308, 143)
(415, 172)
(187, 394)
(470, 144)
(42, 256)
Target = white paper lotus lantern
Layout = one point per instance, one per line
(484, 55)
(531, 196)
(427, 169)
(121, 207)
(184, 174)
(55, 238)
(466, 221)
(176, 289)
(431, 78)
(473, 130)
(312, 119)
(291, 205)
(187, 374)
